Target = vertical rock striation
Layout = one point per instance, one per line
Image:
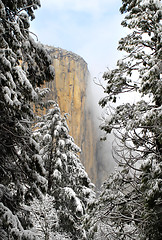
(70, 91)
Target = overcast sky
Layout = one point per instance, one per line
(90, 28)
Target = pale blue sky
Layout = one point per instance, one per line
(90, 28)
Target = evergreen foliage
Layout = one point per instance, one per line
(24, 65)
(45, 220)
(68, 183)
(130, 205)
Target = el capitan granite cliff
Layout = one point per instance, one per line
(69, 90)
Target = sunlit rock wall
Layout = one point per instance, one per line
(69, 89)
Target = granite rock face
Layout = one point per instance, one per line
(69, 89)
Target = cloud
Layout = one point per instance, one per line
(91, 6)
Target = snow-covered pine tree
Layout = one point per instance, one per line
(115, 214)
(68, 183)
(44, 216)
(23, 66)
(45, 219)
(131, 203)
